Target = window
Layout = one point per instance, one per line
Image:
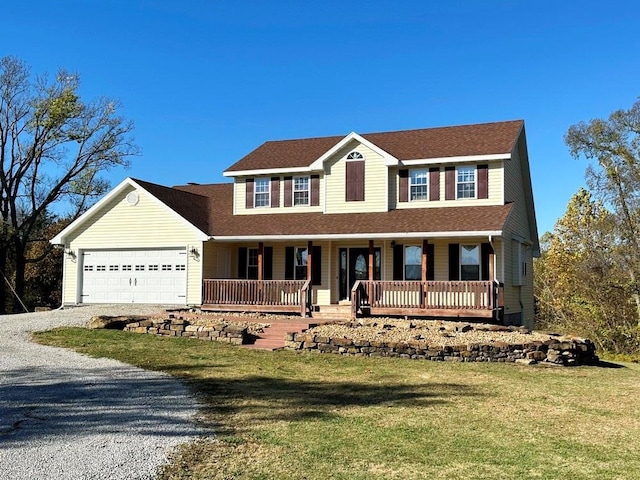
(261, 192)
(300, 264)
(126, 268)
(301, 191)
(355, 156)
(153, 268)
(101, 268)
(252, 263)
(418, 185)
(139, 268)
(113, 268)
(466, 182)
(469, 262)
(413, 263)
(166, 268)
(181, 268)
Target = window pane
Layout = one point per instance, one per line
(470, 272)
(418, 185)
(466, 182)
(300, 264)
(301, 191)
(413, 272)
(261, 190)
(470, 262)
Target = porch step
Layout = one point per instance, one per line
(332, 312)
(273, 336)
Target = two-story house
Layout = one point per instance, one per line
(436, 222)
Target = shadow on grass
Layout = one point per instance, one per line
(264, 398)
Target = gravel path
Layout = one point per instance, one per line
(68, 416)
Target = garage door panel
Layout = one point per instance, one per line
(134, 276)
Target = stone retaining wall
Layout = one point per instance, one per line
(566, 351)
(177, 327)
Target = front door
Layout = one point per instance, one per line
(354, 265)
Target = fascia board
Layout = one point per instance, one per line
(460, 159)
(318, 164)
(356, 236)
(60, 238)
(269, 171)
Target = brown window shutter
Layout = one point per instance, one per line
(288, 191)
(249, 193)
(404, 186)
(315, 190)
(483, 181)
(355, 181)
(275, 192)
(449, 183)
(434, 184)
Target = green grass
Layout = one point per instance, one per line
(284, 415)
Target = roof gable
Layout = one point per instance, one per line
(186, 207)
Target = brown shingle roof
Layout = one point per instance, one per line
(222, 222)
(441, 142)
(190, 205)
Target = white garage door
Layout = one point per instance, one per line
(134, 276)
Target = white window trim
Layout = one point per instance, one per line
(256, 193)
(308, 190)
(475, 181)
(426, 184)
(355, 156)
(462, 245)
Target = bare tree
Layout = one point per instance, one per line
(53, 148)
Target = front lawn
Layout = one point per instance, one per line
(283, 415)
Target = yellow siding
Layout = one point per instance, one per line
(517, 298)
(148, 224)
(240, 191)
(376, 183)
(495, 190)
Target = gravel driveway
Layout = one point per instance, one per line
(68, 416)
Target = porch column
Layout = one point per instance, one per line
(309, 260)
(425, 242)
(423, 259)
(371, 268)
(260, 262)
(492, 276)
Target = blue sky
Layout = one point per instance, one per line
(208, 81)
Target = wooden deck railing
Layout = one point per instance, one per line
(275, 294)
(403, 296)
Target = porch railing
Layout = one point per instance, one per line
(285, 294)
(427, 296)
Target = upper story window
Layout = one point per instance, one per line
(261, 192)
(355, 156)
(418, 184)
(301, 191)
(466, 182)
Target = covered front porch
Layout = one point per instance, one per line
(381, 277)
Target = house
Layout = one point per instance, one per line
(437, 222)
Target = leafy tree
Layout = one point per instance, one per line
(615, 145)
(580, 286)
(53, 149)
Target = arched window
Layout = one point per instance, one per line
(355, 156)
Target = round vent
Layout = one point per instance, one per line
(132, 198)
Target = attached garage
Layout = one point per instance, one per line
(142, 243)
(134, 276)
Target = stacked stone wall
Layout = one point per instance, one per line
(564, 351)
